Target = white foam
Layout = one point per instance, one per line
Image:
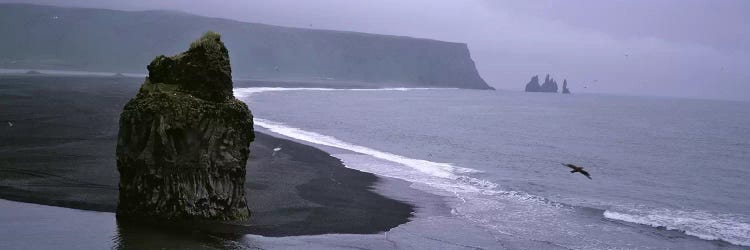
(439, 169)
(245, 92)
(445, 176)
(442, 176)
(700, 224)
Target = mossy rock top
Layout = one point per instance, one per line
(203, 71)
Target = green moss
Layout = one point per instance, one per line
(182, 108)
(203, 71)
(151, 88)
(209, 39)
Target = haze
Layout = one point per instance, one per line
(665, 48)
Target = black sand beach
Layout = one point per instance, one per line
(57, 147)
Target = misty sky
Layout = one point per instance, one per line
(690, 48)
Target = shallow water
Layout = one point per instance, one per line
(32, 226)
(668, 163)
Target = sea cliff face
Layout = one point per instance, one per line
(184, 140)
(83, 39)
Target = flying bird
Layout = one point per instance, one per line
(276, 149)
(10, 124)
(577, 169)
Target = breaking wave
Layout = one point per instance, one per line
(700, 224)
(432, 169)
(245, 92)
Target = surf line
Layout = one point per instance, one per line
(442, 176)
(438, 169)
(245, 92)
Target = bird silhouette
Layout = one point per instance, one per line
(577, 169)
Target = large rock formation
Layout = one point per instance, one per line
(184, 140)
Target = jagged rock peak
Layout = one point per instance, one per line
(203, 71)
(565, 89)
(549, 85)
(533, 85)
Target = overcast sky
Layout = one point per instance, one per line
(690, 48)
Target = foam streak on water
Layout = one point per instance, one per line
(437, 169)
(699, 224)
(245, 92)
(453, 180)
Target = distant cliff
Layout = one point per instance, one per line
(120, 41)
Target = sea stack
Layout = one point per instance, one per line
(533, 85)
(549, 85)
(184, 140)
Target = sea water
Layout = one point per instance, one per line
(667, 172)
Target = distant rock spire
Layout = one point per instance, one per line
(549, 85)
(565, 89)
(533, 85)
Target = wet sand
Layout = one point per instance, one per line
(57, 147)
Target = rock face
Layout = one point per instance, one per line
(184, 140)
(565, 87)
(533, 85)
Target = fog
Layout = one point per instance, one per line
(664, 48)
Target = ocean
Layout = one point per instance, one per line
(483, 170)
(666, 172)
